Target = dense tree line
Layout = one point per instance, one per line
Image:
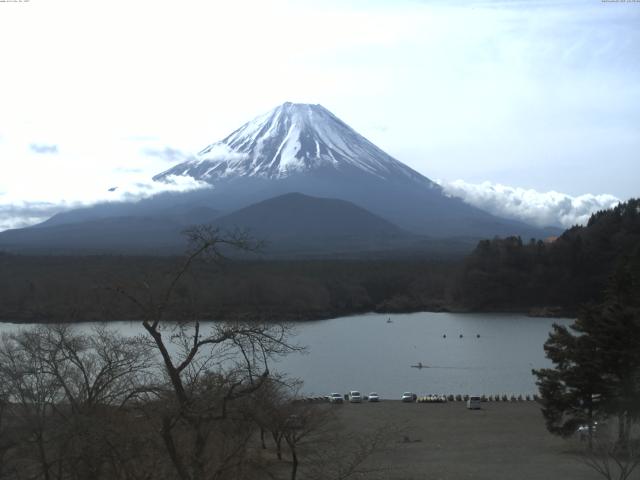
(542, 277)
(554, 276)
(53, 288)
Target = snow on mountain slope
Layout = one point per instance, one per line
(289, 140)
(305, 148)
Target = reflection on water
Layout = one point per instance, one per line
(460, 353)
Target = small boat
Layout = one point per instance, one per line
(419, 365)
(389, 320)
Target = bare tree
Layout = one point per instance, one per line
(265, 411)
(67, 390)
(331, 453)
(301, 421)
(95, 370)
(6, 440)
(611, 459)
(32, 394)
(100, 374)
(208, 367)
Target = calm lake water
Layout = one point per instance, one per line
(367, 353)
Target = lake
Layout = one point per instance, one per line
(368, 353)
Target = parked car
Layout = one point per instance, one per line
(409, 397)
(355, 397)
(473, 403)
(335, 398)
(583, 430)
(374, 397)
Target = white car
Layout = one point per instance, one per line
(583, 430)
(408, 397)
(335, 398)
(374, 397)
(473, 403)
(355, 397)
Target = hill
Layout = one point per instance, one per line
(300, 223)
(290, 225)
(553, 277)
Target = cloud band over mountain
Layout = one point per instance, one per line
(18, 213)
(528, 205)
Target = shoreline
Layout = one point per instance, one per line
(543, 312)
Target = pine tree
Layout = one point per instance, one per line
(571, 392)
(597, 361)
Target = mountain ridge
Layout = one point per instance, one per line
(306, 148)
(293, 148)
(292, 223)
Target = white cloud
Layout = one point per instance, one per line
(33, 186)
(221, 152)
(171, 155)
(23, 214)
(17, 213)
(528, 205)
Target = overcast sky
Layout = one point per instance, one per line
(528, 107)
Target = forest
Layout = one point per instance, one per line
(552, 278)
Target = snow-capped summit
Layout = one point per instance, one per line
(293, 138)
(304, 148)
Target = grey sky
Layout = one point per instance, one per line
(534, 95)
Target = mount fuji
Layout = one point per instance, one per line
(292, 140)
(294, 148)
(305, 148)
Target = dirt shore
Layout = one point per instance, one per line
(449, 442)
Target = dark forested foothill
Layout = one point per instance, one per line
(554, 276)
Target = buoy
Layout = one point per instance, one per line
(460, 335)
(478, 336)
(444, 336)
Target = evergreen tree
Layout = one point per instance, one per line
(597, 361)
(570, 392)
